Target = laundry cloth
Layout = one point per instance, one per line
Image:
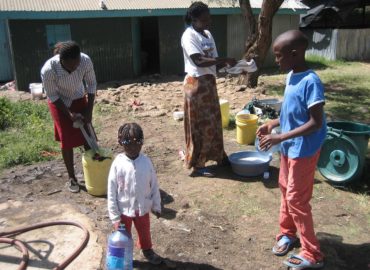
(241, 66)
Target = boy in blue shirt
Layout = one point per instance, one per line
(303, 127)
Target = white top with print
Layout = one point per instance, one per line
(193, 42)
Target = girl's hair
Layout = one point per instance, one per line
(195, 10)
(129, 130)
(67, 50)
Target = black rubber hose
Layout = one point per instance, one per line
(5, 239)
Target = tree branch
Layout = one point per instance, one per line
(250, 23)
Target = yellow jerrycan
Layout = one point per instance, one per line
(96, 166)
(225, 112)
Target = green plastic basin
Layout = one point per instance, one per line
(344, 150)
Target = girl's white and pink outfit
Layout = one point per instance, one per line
(132, 193)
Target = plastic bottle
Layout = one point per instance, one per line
(120, 250)
(272, 149)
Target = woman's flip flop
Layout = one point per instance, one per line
(203, 172)
(73, 186)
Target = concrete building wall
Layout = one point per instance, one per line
(106, 41)
(237, 34)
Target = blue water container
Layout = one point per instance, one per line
(120, 250)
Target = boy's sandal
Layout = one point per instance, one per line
(151, 256)
(304, 263)
(73, 185)
(284, 241)
(203, 172)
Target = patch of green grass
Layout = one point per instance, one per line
(318, 62)
(28, 132)
(347, 87)
(104, 109)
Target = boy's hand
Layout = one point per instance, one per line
(157, 214)
(263, 130)
(267, 141)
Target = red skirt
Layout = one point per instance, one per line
(64, 132)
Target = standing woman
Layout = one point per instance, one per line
(67, 78)
(202, 115)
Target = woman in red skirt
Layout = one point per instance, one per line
(70, 86)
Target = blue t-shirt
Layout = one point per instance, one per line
(303, 90)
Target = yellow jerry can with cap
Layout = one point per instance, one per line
(225, 112)
(96, 168)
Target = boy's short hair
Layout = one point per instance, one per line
(293, 39)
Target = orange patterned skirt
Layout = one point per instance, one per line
(202, 122)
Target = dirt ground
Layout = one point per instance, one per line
(227, 222)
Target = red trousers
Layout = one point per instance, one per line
(296, 180)
(142, 225)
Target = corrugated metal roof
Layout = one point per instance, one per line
(90, 5)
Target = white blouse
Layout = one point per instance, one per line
(132, 186)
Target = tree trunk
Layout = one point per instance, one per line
(259, 40)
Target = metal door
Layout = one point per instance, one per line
(6, 68)
(56, 33)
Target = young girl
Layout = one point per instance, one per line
(133, 189)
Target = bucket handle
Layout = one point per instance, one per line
(337, 132)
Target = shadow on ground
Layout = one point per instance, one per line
(167, 213)
(169, 264)
(343, 256)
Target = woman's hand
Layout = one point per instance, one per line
(230, 61)
(87, 115)
(75, 116)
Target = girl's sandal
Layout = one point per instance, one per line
(151, 256)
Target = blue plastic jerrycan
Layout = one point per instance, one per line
(120, 250)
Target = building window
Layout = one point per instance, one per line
(56, 33)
